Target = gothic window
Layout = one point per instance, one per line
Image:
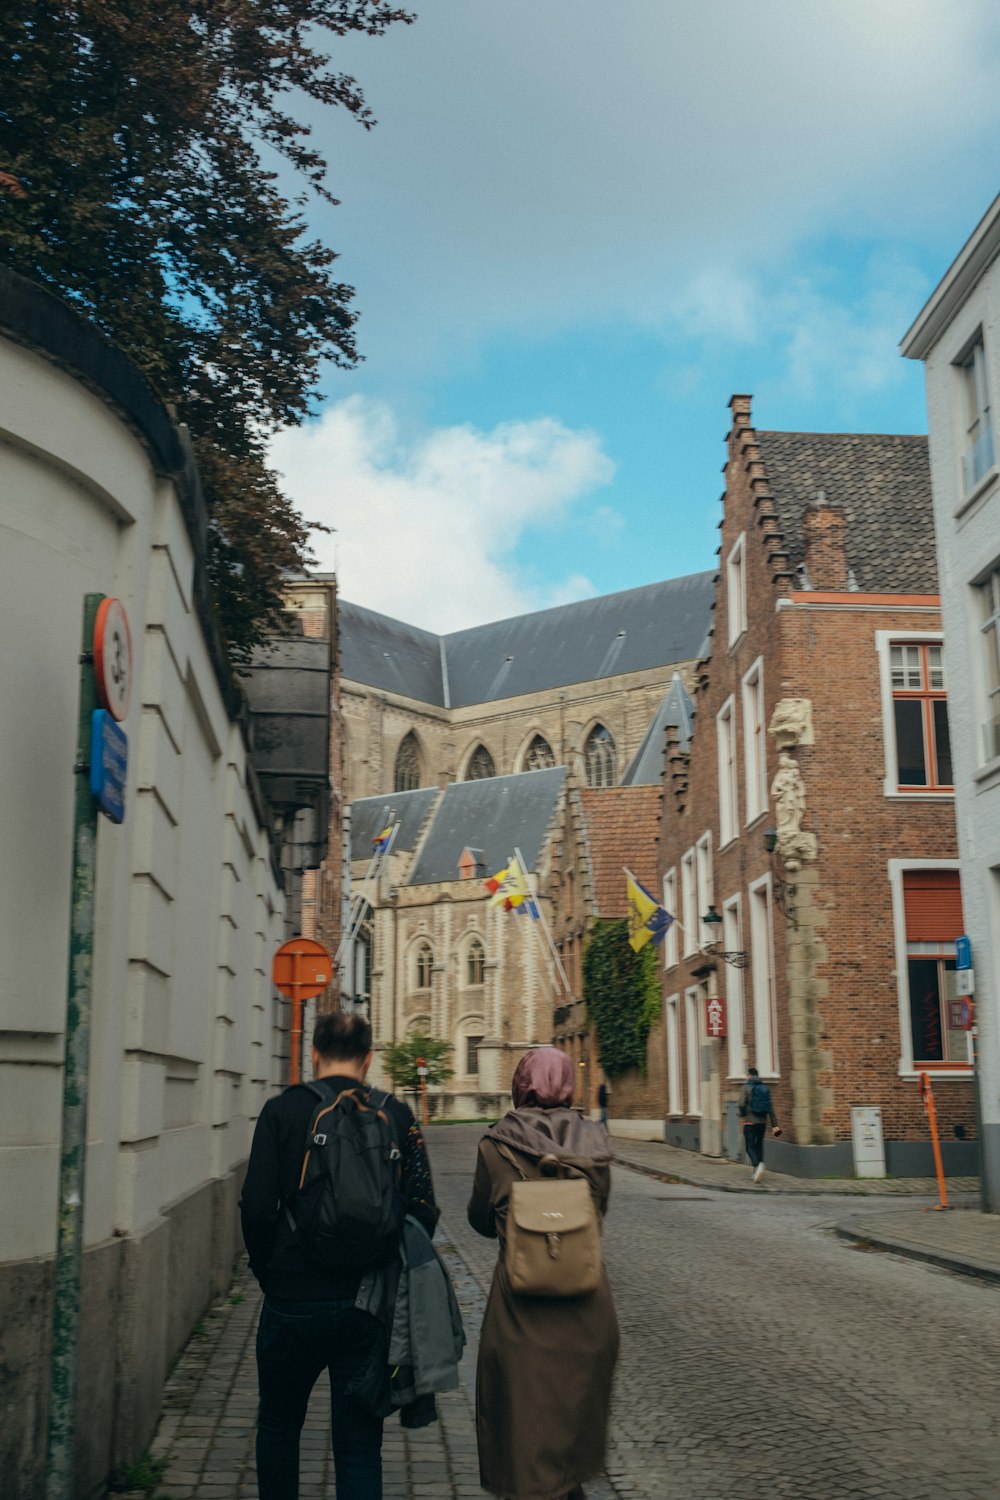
(539, 755)
(599, 757)
(407, 776)
(475, 962)
(425, 959)
(480, 766)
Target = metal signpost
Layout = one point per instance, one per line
(422, 1075)
(105, 679)
(302, 968)
(965, 978)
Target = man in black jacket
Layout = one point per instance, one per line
(309, 1321)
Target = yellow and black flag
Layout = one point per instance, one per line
(647, 919)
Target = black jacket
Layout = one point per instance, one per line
(271, 1183)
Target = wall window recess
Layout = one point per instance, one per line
(424, 965)
(732, 942)
(765, 1048)
(472, 1044)
(692, 1036)
(539, 756)
(670, 953)
(689, 919)
(704, 885)
(989, 615)
(725, 727)
(407, 772)
(475, 964)
(978, 457)
(675, 1103)
(755, 741)
(736, 590)
(599, 757)
(481, 765)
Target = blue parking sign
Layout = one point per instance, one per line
(108, 764)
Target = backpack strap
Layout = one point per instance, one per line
(506, 1152)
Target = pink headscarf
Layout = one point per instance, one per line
(543, 1078)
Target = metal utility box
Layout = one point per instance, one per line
(869, 1147)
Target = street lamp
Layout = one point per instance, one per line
(736, 957)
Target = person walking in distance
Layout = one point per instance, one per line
(756, 1110)
(602, 1102)
(548, 1347)
(334, 1168)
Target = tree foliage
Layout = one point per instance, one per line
(401, 1060)
(622, 994)
(139, 148)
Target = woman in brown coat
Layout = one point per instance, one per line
(545, 1363)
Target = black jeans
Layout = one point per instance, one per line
(295, 1342)
(753, 1139)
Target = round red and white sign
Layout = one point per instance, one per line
(113, 658)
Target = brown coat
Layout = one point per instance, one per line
(543, 1387)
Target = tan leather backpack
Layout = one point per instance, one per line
(553, 1233)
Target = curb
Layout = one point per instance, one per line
(853, 1229)
(751, 1187)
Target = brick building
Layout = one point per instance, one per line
(813, 821)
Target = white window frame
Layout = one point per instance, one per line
(762, 977)
(736, 1031)
(671, 956)
(692, 1046)
(884, 640)
(976, 413)
(736, 590)
(704, 884)
(675, 1099)
(987, 629)
(754, 741)
(897, 869)
(689, 917)
(729, 778)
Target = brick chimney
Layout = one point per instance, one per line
(824, 538)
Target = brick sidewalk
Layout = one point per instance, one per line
(722, 1175)
(206, 1432)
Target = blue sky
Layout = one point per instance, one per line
(578, 228)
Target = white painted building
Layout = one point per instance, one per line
(957, 335)
(98, 494)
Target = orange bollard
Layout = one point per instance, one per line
(927, 1095)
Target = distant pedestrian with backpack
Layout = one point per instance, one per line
(549, 1340)
(756, 1111)
(334, 1168)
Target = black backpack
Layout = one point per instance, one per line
(760, 1099)
(348, 1212)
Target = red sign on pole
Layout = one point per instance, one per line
(715, 1012)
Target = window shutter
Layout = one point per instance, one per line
(933, 903)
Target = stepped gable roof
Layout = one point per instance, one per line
(387, 654)
(369, 815)
(497, 815)
(629, 631)
(882, 482)
(623, 829)
(646, 766)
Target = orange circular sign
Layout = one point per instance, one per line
(113, 658)
(302, 968)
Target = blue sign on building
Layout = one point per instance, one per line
(108, 764)
(963, 953)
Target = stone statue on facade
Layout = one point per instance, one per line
(789, 793)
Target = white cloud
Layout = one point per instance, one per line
(539, 166)
(428, 526)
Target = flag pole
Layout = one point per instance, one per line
(543, 922)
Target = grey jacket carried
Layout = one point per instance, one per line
(414, 1300)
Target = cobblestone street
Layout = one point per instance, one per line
(755, 1345)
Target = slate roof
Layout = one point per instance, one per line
(622, 828)
(369, 815)
(646, 766)
(630, 631)
(497, 815)
(883, 483)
